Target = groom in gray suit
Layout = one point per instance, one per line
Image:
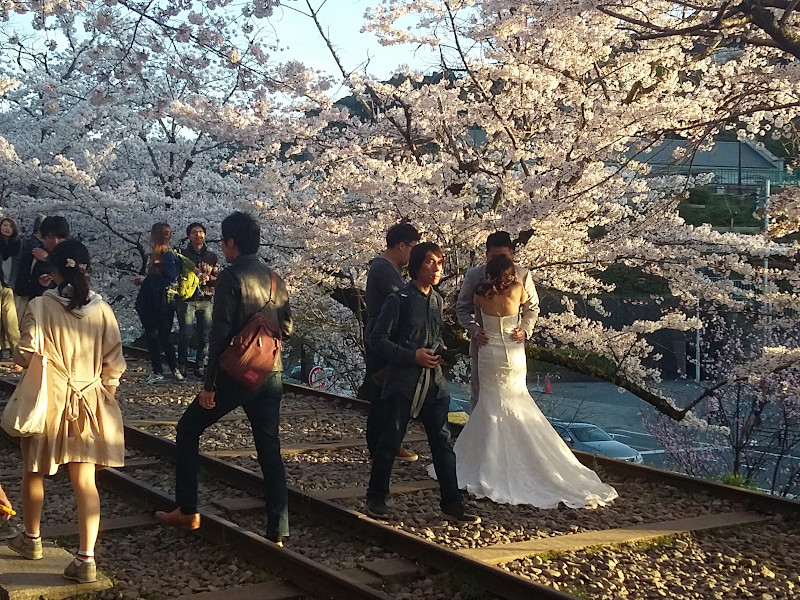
(497, 243)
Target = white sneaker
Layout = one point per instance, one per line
(82, 571)
(7, 530)
(153, 378)
(27, 547)
(179, 376)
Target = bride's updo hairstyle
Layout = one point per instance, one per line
(71, 259)
(500, 274)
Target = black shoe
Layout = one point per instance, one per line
(377, 509)
(200, 373)
(457, 514)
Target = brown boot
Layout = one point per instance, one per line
(406, 455)
(177, 519)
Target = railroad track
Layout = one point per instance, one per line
(475, 561)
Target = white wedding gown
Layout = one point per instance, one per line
(508, 451)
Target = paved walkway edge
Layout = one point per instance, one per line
(609, 537)
(22, 579)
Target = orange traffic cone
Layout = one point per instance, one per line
(547, 388)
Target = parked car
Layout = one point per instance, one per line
(590, 438)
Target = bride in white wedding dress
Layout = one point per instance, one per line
(508, 451)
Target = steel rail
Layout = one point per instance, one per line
(303, 572)
(494, 579)
(754, 500)
(297, 388)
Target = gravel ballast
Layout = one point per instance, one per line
(756, 561)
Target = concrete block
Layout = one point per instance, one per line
(23, 579)
(501, 553)
(362, 577)
(394, 570)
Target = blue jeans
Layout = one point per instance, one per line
(434, 419)
(262, 407)
(190, 315)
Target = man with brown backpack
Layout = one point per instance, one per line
(243, 289)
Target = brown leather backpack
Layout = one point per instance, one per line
(251, 355)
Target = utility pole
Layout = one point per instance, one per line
(697, 346)
(739, 170)
(765, 280)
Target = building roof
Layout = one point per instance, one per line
(722, 155)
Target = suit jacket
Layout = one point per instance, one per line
(470, 318)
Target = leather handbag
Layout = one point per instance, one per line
(252, 353)
(26, 411)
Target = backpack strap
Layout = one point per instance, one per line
(273, 290)
(272, 286)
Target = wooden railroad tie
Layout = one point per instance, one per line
(106, 524)
(269, 590)
(308, 447)
(248, 503)
(229, 417)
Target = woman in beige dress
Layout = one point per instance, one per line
(84, 425)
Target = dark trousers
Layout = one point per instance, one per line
(157, 330)
(378, 412)
(434, 419)
(193, 315)
(262, 407)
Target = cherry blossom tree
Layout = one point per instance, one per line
(748, 430)
(538, 121)
(539, 124)
(714, 23)
(88, 132)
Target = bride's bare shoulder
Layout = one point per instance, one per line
(516, 287)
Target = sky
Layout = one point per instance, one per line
(343, 20)
(299, 39)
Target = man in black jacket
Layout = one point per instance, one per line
(243, 289)
(194, 314)
(33, 276)
(383, 278)
(408, 334)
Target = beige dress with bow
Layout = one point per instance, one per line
(84, 353)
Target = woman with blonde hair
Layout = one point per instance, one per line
(155, 304)
(83, 427)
